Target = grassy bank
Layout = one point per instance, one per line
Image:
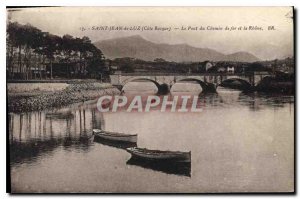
(24, 97)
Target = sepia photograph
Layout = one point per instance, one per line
(150, 99)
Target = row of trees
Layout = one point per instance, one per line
(32, 50)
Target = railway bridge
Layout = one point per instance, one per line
(208, 81)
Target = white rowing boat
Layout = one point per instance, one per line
(176, 156)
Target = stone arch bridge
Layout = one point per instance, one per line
(208, 81)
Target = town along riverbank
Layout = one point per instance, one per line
(24, 97)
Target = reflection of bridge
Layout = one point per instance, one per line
(208, 81)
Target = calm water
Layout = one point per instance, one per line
(239, 142)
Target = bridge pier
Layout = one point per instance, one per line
(209, 88)
(163, 89)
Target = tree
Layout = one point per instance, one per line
(127, 68)
(30, 39)
(159, 60)
(51, 48)
(256, 66)
(29, 42)
(95, 60)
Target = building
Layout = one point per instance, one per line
(114, 68)
(221, 69)
(230, 69)
(207, 65)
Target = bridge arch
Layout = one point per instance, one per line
(187, 79)
(142, 79)
(242, 83)
(206, 87)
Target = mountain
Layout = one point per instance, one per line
(241, 56)
(140, 48)
(268, 51)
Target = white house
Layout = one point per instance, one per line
(230, 69)
(207, 65)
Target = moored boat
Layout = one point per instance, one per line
(115, 144)
(157, 155)
(121, 137)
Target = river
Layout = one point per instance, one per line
(239, 142)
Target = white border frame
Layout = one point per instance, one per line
(5, 3)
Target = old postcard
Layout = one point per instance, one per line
(150, 99)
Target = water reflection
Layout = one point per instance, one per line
(33, 135)
(238, 140)
(115, 144)
(60, 115)
(258, 101)
(227, 98)
(176, 168)
(36, 133)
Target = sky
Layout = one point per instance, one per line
(265, 44)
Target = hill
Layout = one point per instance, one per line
(140, 48)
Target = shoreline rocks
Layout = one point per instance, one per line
(74, 93)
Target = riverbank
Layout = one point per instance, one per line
(281, 83)
(24, 98)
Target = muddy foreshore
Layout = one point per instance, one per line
(74, 93)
